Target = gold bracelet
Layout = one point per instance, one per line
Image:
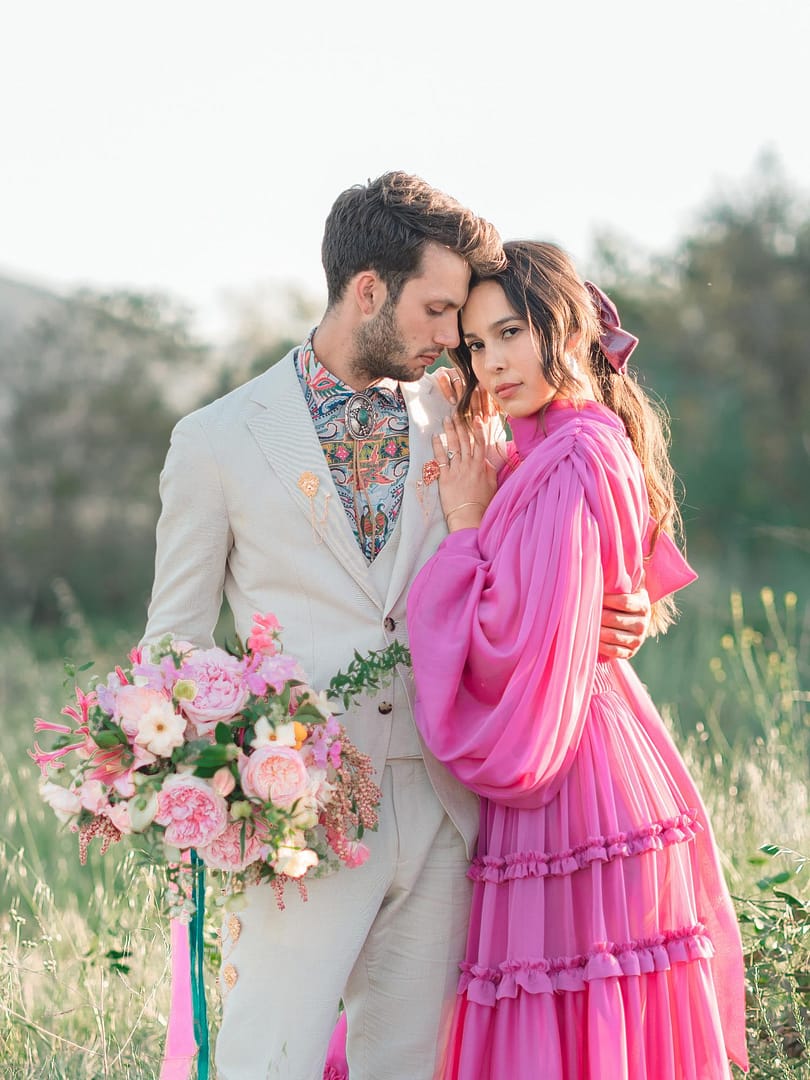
(462, 505)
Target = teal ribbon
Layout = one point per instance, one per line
(196, 951)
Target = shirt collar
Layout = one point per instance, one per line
(321, 383)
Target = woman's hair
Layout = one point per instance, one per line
(542, 286)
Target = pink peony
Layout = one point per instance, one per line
(274, 774)
(191, 810)
(225, 852)
(221, 690)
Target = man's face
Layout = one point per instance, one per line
(404, 339)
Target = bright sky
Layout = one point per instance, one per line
(196, 147)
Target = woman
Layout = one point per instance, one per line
(602, 941)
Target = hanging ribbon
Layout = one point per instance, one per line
(196, 937)
(188, 1020)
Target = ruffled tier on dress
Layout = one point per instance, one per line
(585, 928)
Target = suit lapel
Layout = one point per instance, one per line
(421, 509)
(286, 436)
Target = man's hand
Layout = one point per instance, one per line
(625, 624)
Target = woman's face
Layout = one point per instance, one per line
(504, 358)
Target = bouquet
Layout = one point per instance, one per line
(227, 755)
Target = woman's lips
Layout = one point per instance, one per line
(505, 390)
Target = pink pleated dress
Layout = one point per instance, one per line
(603, 942)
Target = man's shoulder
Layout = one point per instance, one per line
(258, 391)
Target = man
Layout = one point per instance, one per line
(302, 494)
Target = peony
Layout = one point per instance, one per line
(294, 862)
(225, 852)
(274, 774)
(221, 690)
(64, 802)
(191, 811)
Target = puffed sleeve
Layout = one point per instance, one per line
(504, 629)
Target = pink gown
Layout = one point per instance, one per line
(603, 941)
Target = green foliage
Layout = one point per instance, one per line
(776, 935)
(724, 326)
(88, 391)
(369, 672)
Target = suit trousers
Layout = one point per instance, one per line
(386, 937)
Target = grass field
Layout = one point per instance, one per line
(84, 984)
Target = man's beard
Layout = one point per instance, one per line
(379, 350)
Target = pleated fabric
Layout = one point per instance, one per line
(602, 940)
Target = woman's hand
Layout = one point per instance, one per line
(467, 480)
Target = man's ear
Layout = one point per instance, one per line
(369, 292)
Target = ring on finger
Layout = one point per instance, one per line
(451, 454)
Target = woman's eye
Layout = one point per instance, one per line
(510, 331)
(474, 346)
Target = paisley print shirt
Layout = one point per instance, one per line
(369, 471)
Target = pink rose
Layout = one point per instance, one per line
(191, 811)
(225, 852)
(274, 774)
(221, 690)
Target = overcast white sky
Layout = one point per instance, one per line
(196, 147)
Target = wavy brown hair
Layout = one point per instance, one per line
(385, 224)
(543, 287)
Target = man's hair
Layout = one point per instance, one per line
(384, 226)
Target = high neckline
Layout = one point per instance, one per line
(528, 431)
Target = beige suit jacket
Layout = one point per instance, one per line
(235, 520)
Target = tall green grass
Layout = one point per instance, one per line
(84, 981)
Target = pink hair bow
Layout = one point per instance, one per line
(616, 344)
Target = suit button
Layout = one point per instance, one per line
(385, 707)
(389, 624)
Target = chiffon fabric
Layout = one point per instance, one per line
(602, 942)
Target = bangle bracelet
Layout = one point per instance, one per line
(462, 505)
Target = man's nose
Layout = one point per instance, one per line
(447, 334)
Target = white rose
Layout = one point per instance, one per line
(294, 862)
(64, 802)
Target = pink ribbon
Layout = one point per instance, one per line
(181, 1046)
(616, 344)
